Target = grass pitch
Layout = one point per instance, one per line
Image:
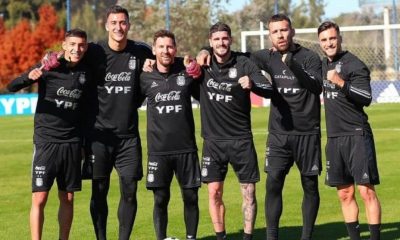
(15, 189)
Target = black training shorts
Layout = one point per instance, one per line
(161, 169)
(351, 159)
(60, 161)
(240, 153)
(125, 154)
(284, 150)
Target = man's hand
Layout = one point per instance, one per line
(203, 58)
(148, 65)
(334, 78)
(35, 74)
(245, 82)
(192, 67)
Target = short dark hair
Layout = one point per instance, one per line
(163, 33)
(117, 9)
(219, 27)
(75, 32)
(327, 25)
(279, 17)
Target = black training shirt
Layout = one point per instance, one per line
(170, 124)
(113, 106)
(297, 84)
(225, 106)
(344, 107)
(58, 111)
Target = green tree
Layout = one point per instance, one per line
(17, 9)
(137, 16)
(308, 15)
(86, 19)
(189, 21)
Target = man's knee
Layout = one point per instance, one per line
(215, 191)
(190, 196)
(367, 193)
(248, 192)
(39, 199)
(128, 186)
(310, 185)
(346, 193)
(161, 197)
(100, 186)
(66, 198)
(275, 181)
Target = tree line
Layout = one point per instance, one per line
(29, 28)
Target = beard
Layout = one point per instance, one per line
(222, 50)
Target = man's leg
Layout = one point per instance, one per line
(249, 208)
(273, 202)
(65, 213)
(127, 206)
(191, 211)
(160, 211)
(99, 207)
(349, 210)
(310, 205)
(217, 207)
(39, 200)
(372, 209)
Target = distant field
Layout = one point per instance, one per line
(15, 186)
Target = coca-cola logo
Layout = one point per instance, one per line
(171, 96)
(74, 93)
(118, 77)
(220, 86)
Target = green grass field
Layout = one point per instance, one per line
(15, 190)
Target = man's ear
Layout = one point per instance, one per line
(106, 27)
(64, 45)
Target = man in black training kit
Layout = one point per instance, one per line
(170, 135)
(294, 122)
(113, 121)
(226, 127)
(57, 133)
(350, 148)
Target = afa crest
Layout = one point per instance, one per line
(82, 78)
(132, 63)
(232, 72)
(180, 80)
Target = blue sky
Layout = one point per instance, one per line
(332, 9)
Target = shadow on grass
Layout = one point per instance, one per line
(328, 231)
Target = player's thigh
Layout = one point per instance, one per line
(69, 168)
(214, 162)
(187, 170)
(243, 158)
(278, 156)
(307, 153)
(102, 159)
(363, 160)
(159, 171)
(128, 158)
(44, 169)
(337, 169)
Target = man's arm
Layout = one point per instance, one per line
(258, 82)
(308, 72)
(357, 88)
(25, 80)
